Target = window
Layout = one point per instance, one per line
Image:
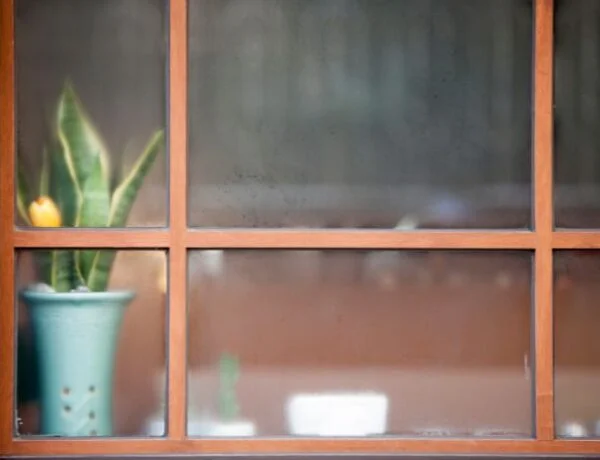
(298, 226)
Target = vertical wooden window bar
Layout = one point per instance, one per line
(178, 239)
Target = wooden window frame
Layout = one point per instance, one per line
(177, 239)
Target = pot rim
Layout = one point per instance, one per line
(76, 297)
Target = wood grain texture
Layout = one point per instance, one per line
(304, 446)
(345, 456)
(177, 342)
(576, 240)
(367, 239)
(102, 238)
(284, 238)
(543, 202)
(7, 167)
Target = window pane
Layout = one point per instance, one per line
(91, 363)
(90, 82)
(577, 344)
(356, 113)
(359, 343)
(577, 114)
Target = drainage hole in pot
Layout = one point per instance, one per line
(92, 415)
(67, 408)
(92, 388)
(66, 390)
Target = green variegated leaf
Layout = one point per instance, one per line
(121, 204)
(100, 272)
(95, 203)
(57, 269)
(64, 276)
(126, 193)
(93, 213)
(63, 186)
(79, 138)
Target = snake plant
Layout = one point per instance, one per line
(75, 190)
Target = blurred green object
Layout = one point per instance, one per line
(76, 175)
(229, 371)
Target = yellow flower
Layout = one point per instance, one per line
(43, 212)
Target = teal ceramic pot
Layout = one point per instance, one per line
(75, 336)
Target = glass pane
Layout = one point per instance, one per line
(90, 93)
(360, 113)
(359, 343)
(91, 363)
(577, 114)
(577, 343)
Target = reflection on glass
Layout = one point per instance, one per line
(577, 344)
(90, 94)
(356, 113)
(359, 343)
(577, 114)
(85, 367)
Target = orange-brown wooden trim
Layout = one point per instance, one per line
(543, 140)
(367, 239)
(302, 446)
(7, 167)
(75, 238)
(177, 377)
(576, 240)
(138, 238)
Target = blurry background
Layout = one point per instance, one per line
(444, 335)
(355, 113)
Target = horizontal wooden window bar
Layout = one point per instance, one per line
(359, 239)
(367, 239)
(305, 446)
(75, 238)
(576, 240)
(291, 239)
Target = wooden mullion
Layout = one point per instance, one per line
(7, 268)
(177, 343)
(543, 192)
